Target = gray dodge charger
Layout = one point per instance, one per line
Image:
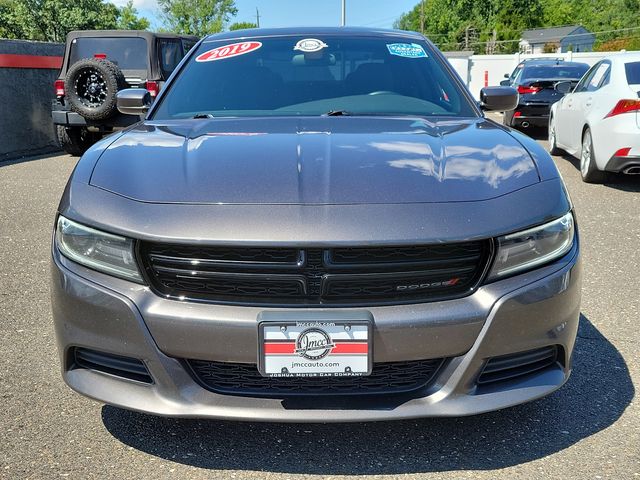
(315, 225)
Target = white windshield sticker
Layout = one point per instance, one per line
(310, 45)
(407, 50)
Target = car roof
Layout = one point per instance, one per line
(314, 31)
(624, 57)
(545, 63)
(125, 33)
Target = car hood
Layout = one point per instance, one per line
(314, 161)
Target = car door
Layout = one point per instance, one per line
(564, 111)
(572, 112)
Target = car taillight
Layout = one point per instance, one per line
(517, 114)
(58, 86)
(100, 55)
(153, 88)
(624, 106)
(522, 89)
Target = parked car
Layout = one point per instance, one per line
(315, 224)
(535, 82)
(99, 63)
(599, 120)
(510, 77)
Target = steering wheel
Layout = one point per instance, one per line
(382, 92)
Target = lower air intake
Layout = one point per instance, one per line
(126, 367)
(516, 365)
(244, 379)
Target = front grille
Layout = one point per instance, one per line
(314, 276)
(244, 379)
(515, 365)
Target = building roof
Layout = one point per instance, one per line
(552, 34)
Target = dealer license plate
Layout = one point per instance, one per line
(315, 348)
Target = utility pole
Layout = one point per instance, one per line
(344, 12)
(422, 17)
(257, 18)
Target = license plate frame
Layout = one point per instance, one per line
(349, 338)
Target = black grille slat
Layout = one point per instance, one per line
(244, 379)
(126, 367)
(315, 276)
(508, 367)
(425, 255)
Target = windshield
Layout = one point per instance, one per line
(314, 76)
(129, 53)
(554, 71)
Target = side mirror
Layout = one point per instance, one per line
(133, 101)
(563, 87)
(506, 75)
(498, 98)
(505, 83)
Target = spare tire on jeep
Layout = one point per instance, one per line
(92, 87)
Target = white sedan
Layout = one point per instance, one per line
(599, 120)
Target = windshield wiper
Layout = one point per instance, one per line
(202, 115)
(337, 113)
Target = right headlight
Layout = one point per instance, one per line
(533, 247)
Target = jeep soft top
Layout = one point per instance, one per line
(99, 63)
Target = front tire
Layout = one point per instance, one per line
(74, 140)
(588, 168)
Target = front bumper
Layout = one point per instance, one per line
(529, 311)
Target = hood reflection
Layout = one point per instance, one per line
(460, 162)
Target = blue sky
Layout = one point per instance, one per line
(282, 13)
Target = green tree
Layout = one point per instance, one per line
(128, 18)
(197, 17)
(242, 25)
(51, 20)
(10, 26)
(453, 23)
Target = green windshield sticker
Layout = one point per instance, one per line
(407, 50)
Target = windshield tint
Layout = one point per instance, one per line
(129, 53)
(314, 76)
(554, 71)
(632, 70)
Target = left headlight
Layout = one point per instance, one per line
(98, 250)
(533, 247)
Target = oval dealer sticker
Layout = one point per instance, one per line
(228, 51)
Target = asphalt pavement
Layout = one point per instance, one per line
(589, 429)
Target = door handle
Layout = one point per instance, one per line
(589, 101)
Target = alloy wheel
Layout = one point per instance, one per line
(585, 156)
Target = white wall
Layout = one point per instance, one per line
(474, 70)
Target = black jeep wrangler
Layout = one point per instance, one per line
(99, 63)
